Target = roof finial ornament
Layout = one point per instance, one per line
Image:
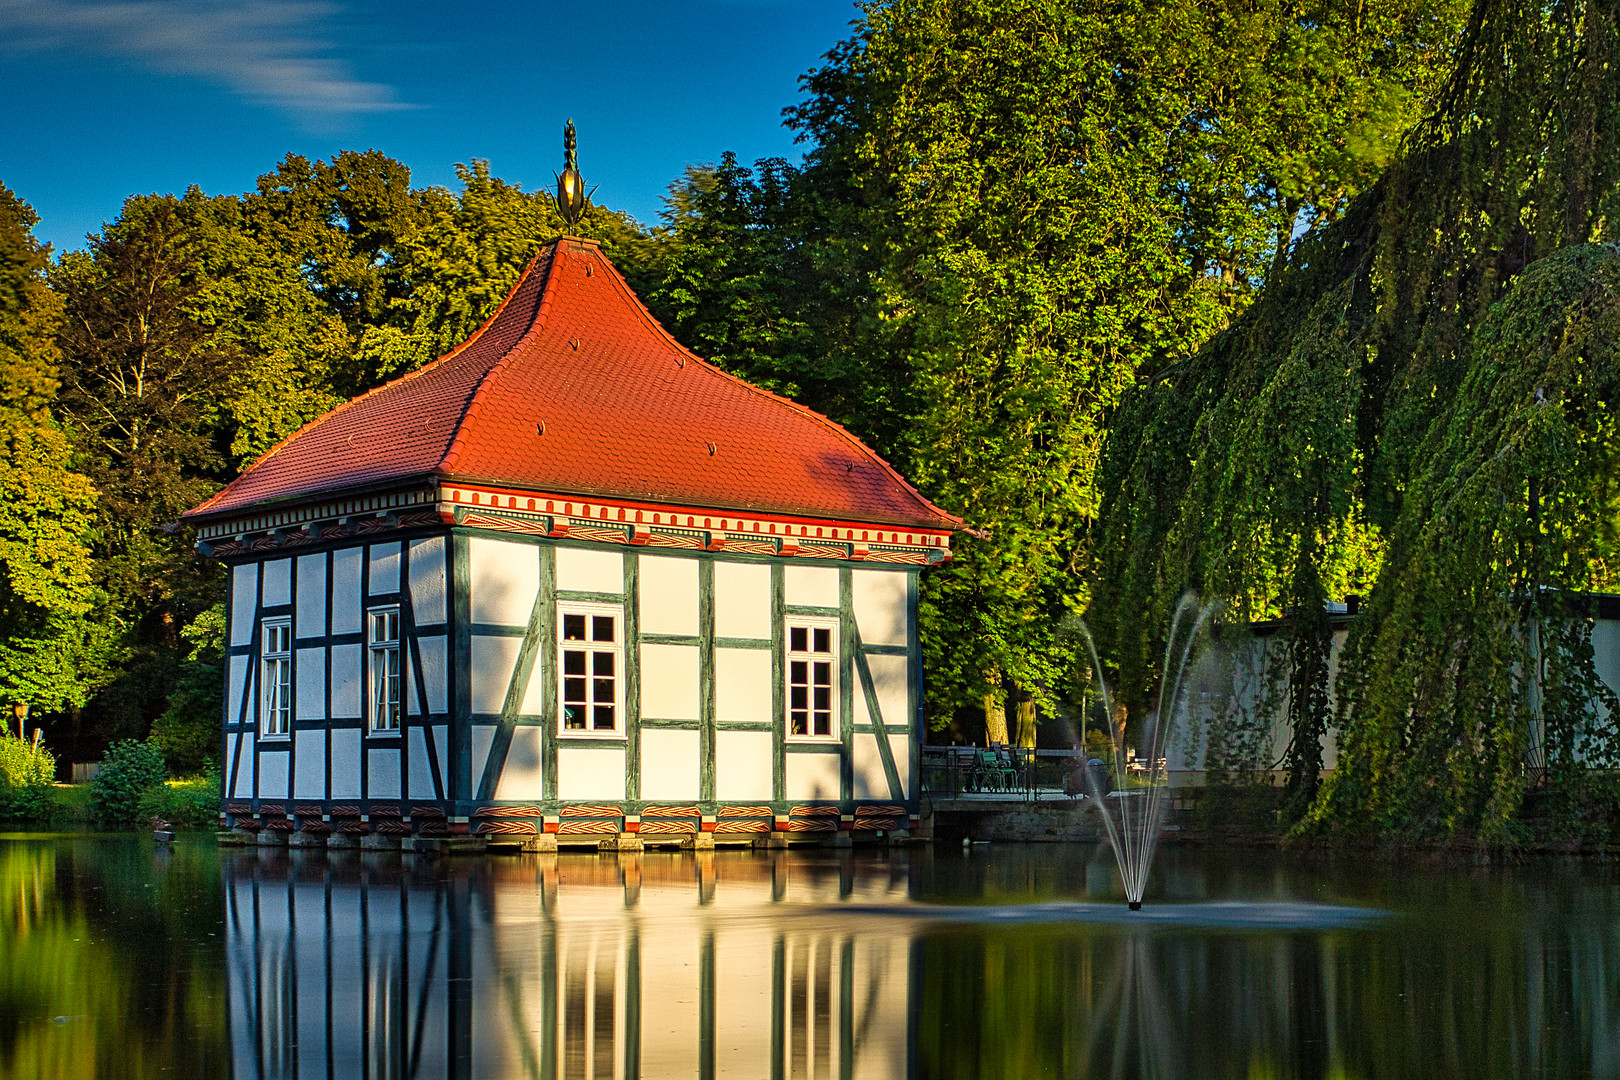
(570, 185)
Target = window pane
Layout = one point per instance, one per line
(573, 663)
(823, 639)
(574, 717)
(799, 696)
(604, 718)
(800, 671)
(602, 663)
(799, 724)
(573, 627)
(823, 723)
(799, 639)
(602, 627)
(823, 697)
(574, 691)
(604, 691)
(823, 674)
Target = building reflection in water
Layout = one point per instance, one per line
(589, 967)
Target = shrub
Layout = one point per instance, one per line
(129, 771)
(27, 771)
(192, 803)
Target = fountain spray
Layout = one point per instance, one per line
(1135, 831)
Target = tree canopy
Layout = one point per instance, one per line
(1418, 409)
(1008, 211)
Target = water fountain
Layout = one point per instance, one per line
(1134, 826)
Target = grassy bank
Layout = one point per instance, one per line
(188, 803)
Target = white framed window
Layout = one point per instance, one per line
(590, 662)
(275, 677)
(383, 668)
(812, 678)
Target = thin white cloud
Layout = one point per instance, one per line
(268, 51)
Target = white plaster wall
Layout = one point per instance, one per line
(244, 601)
(493, 659)
(310, 619)
(813, 776)
(348, 698)
(309, 765)
(742, 684)
(420, 768)
(534, 693)
(382, 773)
(1330, 738)
(1605, 653)
(384, 569)
(309, 692)
(1238, 685)
(742, 600)
(504, 579)
(589, 773)
(435, 673)
(346, 591)
(273, 774)
(669, 682)
(277, 582)
(523, 776)
(893, 690)
(346, 763)
(742, 765)
(669, 764)
(811, 586)
(441, 745)
(243, 786)
(870, 780)
(900, 747)
(880, 606)
(590, 571)
(669, 595)
(428, 581)
(483, 736)
(233, 693)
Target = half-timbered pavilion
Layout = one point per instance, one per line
(571, 580)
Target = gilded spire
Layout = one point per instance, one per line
(570, 185)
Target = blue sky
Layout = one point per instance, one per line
(105, 98)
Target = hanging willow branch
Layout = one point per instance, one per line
(1422, 407)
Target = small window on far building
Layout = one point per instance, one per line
(812, 678)
(382, 638)
(275, 677)
(590, 649)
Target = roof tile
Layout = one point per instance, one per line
(627, 413)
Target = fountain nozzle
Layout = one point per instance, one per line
(1134, 905)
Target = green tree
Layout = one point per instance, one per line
(201, 330)
(1010, 211)
(188, 731)
(52, 642)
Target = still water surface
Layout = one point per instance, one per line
(119, 960)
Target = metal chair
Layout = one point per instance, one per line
(994, 772)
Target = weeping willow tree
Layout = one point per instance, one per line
(1420, 409)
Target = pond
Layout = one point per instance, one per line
(119, 959)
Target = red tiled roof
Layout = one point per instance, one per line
(627, 413)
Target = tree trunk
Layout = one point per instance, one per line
(995, 720)
(1025, 714)
(1117, 722)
